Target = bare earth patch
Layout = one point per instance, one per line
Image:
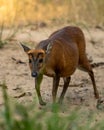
(21, 85)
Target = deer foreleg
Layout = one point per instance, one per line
(38, 81)
(66, 83)
(56, 80)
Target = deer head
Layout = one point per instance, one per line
(36, 60)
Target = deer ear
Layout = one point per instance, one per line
(49, 47)
(26, 49)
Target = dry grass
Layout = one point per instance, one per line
(30, 11)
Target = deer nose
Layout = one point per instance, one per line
(34, 74)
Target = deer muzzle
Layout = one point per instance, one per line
(34, 74)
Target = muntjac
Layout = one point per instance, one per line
(59, 56)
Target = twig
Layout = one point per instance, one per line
(73, 85)
(18, 61)
(94, 65)
(1, 85)
(21, 95)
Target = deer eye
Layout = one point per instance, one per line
(30, 61)
(40, 60)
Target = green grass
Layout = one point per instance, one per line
(16, 116)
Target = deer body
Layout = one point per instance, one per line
(59, 56)
(60, 61)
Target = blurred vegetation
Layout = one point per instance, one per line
(16, 116)
(30, 11)
(9, 36)
(2, 42)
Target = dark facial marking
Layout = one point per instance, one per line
(40, 60)
(30, 61)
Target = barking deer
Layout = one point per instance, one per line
(59, 56)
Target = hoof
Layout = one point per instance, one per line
(96, 95)
(100, 104)
(60, 102)
(42, 103)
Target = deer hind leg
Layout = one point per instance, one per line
(66, 83)
(56, 80)
(85, 66)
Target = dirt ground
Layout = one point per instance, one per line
(21, 85)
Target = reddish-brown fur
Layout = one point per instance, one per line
(62, 53)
